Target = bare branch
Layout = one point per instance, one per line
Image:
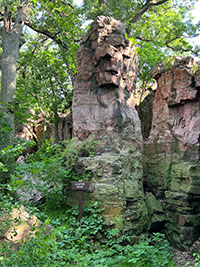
(144, 39)
(48, 34)
(157, 3)
(146, 7)
(195, 52)
(175, 38)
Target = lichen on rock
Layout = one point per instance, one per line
(171, 153)
(163, 192)
(103, 105)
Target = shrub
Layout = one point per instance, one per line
(72, 243)
(50, 170)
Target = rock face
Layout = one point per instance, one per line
(103, 105)
(172, 151)
(103, 95)
(176, 113)
(145, 112)
(20, 226)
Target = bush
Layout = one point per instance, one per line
(50, 170)
(72, 243)
(68, 242)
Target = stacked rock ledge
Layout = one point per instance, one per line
(171, 154)
(169, 170)
(103, 105)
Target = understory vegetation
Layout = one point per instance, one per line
(36, 89)
(60, 240)
(63, 241)
(71, 243)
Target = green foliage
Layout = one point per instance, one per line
(44, 85)
(161, 31)
(11, 4)
(197, 259)
(8, 156)
(168, 63)
(74, 243)
(4, 127)
(51, 169)
(6, 205)
(196, 255)
(60, 22)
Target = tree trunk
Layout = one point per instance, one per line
(11, 44)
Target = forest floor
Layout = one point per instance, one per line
(186, 258)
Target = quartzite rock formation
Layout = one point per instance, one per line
(103, 94)
(172, 151)
(103, 105)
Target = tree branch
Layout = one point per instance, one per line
(145, 8)
(63, 2)
(157, 3)
(195, 52)
(48, 34)
(144, 39)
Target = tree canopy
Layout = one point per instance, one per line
(52, 31)
(38, 46)
(159, 28)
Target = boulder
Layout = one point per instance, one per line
(20, 226)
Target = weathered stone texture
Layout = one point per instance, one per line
(103, 105)
(106, 76)
(171, 153)
(145, 112)
(176, 112)
(117, 186)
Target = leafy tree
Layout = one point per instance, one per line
(159, 28)
(44, 84)
(46, 64)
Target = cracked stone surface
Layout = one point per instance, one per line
(172, 151)
(103, 104)
(107, 67)
(176, 111)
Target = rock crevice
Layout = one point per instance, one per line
(171, 153)
(103, 105)
(168, 170)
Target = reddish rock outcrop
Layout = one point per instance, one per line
(176, 111)
(103, 105)
(106, 75)
(172, 151)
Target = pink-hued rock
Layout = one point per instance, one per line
(103, 105)
(41, 129)
(172, 151)
(176, 111)
(103, 102)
